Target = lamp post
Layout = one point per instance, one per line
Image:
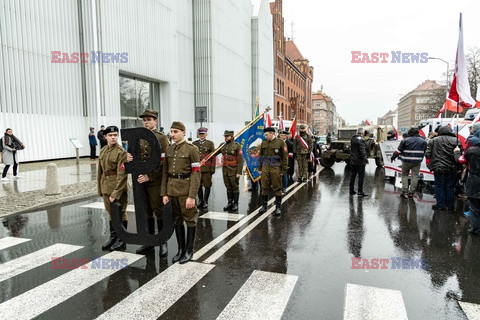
(448, 68)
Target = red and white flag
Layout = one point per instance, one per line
(281, 125)
(477, 105)
(396, 133)
(267, 120)
(425, 131)
(460, 90)
(368, 123)
(464, 133)
(449, 104)
(293, 127)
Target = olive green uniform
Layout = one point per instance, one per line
(154, 184)
(273, 163)
(302, 154)
(181, 180)
(206, 147)
(112, 178)
(232, 164)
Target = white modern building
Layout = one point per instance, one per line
(179, 57)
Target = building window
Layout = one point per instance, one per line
(136, 95)
(316, 113)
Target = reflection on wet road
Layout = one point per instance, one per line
(329, 256)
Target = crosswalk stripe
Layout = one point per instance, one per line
(44, 297)
(8, 242)
(155, 297)
(35, 259)
(222, 216)
(472, 311)
(220, 252)
(100, 205)
(197, 255)
(263, 296)
(362, 302)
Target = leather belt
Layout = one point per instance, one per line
(179, 175)
(110, 173)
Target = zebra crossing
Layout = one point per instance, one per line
(264, 295)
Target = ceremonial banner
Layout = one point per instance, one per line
(250, 138)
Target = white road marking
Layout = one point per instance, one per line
(8, 242)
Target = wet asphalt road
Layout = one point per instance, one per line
(319, 232)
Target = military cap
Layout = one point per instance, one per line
(102, 126)
(284, 132)
(110, 129)
(149, 113)
(202, 130)
(228, 133)
(269, 129)
(177, 125)
(303, 126)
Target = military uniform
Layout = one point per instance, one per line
(112, 182)
(154, 184)
(232, 164)
(206, 147)
(273, 164)
(181, 180)
(302, 154)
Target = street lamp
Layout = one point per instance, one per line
(448, 68)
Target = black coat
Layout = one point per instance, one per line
(472, 186)
(358, 154)
(440, 151)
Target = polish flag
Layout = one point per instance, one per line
(449, 105)
(465, 132)
(368, 123)
(281, 125)
(396, 133)
(425, 131)
(460, 90)
(293, 127)
(477, 105)
(269, 120)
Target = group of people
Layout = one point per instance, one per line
(185, 172)
(92, 141)
(10, 145)
(450, 165)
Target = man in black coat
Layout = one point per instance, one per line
(101, 137)
(358, 161)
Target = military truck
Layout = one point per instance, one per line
(339, 150)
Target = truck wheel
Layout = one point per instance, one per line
(327, 163)
(379, 161)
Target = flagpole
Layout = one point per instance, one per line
(248, 126)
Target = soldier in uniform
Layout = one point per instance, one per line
(153, 180)
(291, 156)
(232, 164)
(180, 183)
(283, 137)
(273, 165)
(302, 152)
(208, 168)
(112, 183)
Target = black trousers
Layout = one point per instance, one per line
(360, 170)
(15, 166)
(93, 152)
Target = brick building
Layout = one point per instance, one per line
(323, 114)
(293, 74)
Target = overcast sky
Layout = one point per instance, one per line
(327, 31)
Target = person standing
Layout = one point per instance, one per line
(289, 144)
(93, 144)
(412, 151)
(291, 157)
(112, 183)
(471, 158)
(208, 168)
(273, 165)
(358, 161)
(153, 180)
(391, 135)
(101, 137)
(329, 138)
(232, 166)
(441, 161)
(180, 183)
(303, 146)
(10, 145)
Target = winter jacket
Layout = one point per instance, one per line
(411, 150)
(8, 154)
(440, 151)
(472, 159)
(91, 139)
(358, 153)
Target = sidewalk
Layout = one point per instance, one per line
(27, 193)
